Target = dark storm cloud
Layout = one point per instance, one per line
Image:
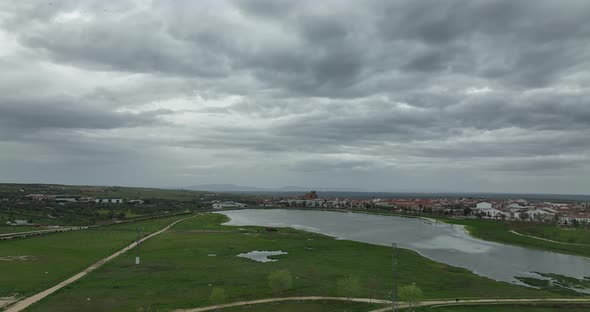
(19, 116)
(327, 53)
(496, 85)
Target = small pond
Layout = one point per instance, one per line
(262, 256)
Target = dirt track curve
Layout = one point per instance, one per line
(400, 305)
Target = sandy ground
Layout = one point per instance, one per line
(4, 301)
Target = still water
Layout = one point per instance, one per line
(441, 242)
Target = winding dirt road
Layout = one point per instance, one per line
(26, 302)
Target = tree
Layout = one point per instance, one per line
(575, 223)
(313, 276)
(217, 296)
(280, 281)
(467, 211)
(523, 216)
(349, 287)
(411, 294)
(372, 286)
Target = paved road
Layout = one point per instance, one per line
(26, 302)
(400, 305)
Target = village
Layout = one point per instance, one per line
(564, 213)
(572, 213)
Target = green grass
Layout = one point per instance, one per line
(62, 255)
(128, 213)
(21, 228)
(509, 308)
(177, 271)
(12, 190)
(568, 235)
(498, 231)
(307, 306)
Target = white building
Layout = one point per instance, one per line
(483, 205)
(66, 199)
(492, 213)
(579, 217)
(539, 214)
(228, 204)
(109, 200)
(515, 206)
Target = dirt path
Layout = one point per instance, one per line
(547, 240)
(433, 303)
(26, 302)
(269, 300)
(388, 308)
(4, 301)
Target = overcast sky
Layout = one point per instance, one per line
(489, 96)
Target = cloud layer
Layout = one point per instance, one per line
(381, 95)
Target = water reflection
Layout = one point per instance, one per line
(441, 242)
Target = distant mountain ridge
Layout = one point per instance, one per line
(289, 188)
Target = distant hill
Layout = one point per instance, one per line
(223, 188)
(241, 188)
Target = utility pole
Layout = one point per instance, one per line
(137, 246)
(394, 275)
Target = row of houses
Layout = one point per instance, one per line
(531, 213)
(81, 199)
(227, 205)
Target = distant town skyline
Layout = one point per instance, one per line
(397, 96)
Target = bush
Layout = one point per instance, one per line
(349, 287)
(280, 281)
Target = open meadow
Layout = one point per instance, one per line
(32, 264)
(180, 268)
(497, 231)
(507, 308)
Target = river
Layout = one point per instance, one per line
(441, 242)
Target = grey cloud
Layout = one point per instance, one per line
(543, 165)
(469, 87)
(327, 165)
(25, 115)
(323, 55)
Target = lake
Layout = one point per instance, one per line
(441, 242)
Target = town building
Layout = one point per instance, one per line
(109, 200)
(228, 204)
(483, 205)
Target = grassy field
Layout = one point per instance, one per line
(17, 229)
(298, 306)
(128, 213)
(567, 235)
(508, 308)
(180, 268)
(52, 258)
(11, 190)
(500, 232)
